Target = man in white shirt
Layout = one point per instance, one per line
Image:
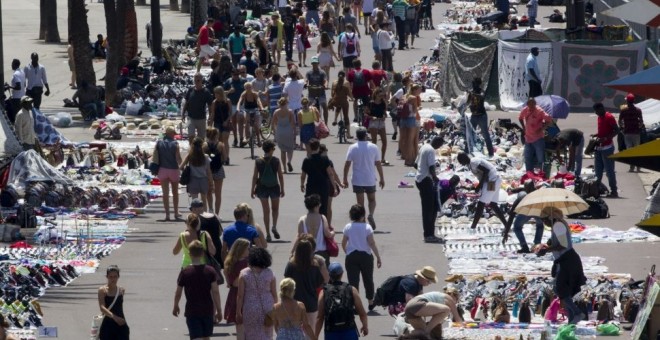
(17, 86)
(488, 187)
(533, 74)
(35, 74)
(367, 8)
(365, 158)
(425, 182)
(24, 126)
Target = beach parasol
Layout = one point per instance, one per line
(645, 12)
(645, 83)
(556, 106)
(565, 200)
(646, 155)
(651, 224)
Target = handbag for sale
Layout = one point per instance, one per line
(321, 130)
(185, 176)
(591, 146)
(97, 320)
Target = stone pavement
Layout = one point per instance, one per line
(149, 270)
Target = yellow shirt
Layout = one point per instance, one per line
(308, 117)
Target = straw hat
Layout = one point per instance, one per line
(143, 126)
(118, 125)
(500, 152)
(428, 273)
(155, 126)
(456, 149)
(444, 151)
(95, 124)
(131, 126)
(153, 121)
(137, 121)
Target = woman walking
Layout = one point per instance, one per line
(334, 185)
(340, 93)
(307, 119)
(360, 247)
(257, 294)
(169, 157)
(193, 233)
(215, 151)
(284, 124)
(408, 125)
(307, 274)
(220, 118)
(376, 118)
(302, 41)
(289, 315)
(315, 224)
(268, 183)
(111, 304)
(326, 54)
(275, 34)
(236, 260)
(201, 178)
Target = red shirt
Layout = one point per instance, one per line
(203, 35)
(377, 76)
(534, 120)
(606, 125)
(360, 90)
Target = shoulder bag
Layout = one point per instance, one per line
(331, 246)
(185, 175)
(97, 320)
(154, 166)
(321, 129)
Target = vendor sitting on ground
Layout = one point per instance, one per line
(89, 102)
(190, 40)
(98, 47)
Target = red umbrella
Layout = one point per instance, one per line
(645, 83)
(645, 12)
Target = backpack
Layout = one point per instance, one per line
(9, 196)
(598, 209)
(268, 177)
(386, 292)
(216, 158)
(403, 109)
(411, 13)
(350, 44)
(631, 309)
(339, 307)
(586, 189)
(358, 79)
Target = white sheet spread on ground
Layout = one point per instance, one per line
(514, 89)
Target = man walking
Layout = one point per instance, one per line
(365, 158)
(339, 318)
(385, 46)
(479, 116)
(425, 182)
(399, 11)
(200, 284)
(488, 187)
(35, 74)
(317, 81)
(24, 126)
(289, 22)
(533, 73)
(203, 43)
(241, 229)
(359, 79)
(532, 9)
(607, 129)
(236, 46)
(17, 86)
(534, 121)
(632, 123)
(198, 99)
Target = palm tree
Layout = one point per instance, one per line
(141, 2)
(199, 13)
(115, 18)
(131, 33)
(82, 53)
(48, 30)
(156, 32)
(174, 5)
(185, 6)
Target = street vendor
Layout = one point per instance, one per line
(488, 187)
(574, 140)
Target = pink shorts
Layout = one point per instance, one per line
(171, 175)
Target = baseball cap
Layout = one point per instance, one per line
(196, 203)
(26, 99)
(315, 60)
(630, 97)
(335, 269)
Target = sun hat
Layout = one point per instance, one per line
(131, 126)
(315, 60)
(428, 273)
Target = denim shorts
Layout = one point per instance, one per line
(358, 189)
(264, 192)
(200, 326)
(409, 123)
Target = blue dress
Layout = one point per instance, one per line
(288, 330)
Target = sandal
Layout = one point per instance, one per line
(275, 233)
(268, 239)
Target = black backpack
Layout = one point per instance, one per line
(339, 307)
(386, 292)
(26, 216)
(586, 189)
(216, 158)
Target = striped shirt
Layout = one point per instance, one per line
(399, 8)
(275, 92)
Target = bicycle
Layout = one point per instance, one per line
(341, 132)
(360, 112)
(252, 121)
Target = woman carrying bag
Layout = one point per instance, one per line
(111, 304)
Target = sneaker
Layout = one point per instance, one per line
(394, 135)
(523, 251)
(433, 239)
(372, 222)
(612, 194)
(289, 167)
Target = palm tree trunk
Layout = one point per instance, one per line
(82, 53)
(115, 13)
(199, 13)
(52, 32)
(141, 3)
(130, 32)
(185, 6)
(174, 5)
(42, 19)
(156, 32)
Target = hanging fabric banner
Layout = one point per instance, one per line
(511, 70)
(581, 71)
(465, 63)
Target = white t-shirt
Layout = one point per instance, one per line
(357, 233)
(367, 6)
(294, 90)
(18, 78)
(492, 171)
(425, 159)
(364, 156)
(384, 40)
(344, 40)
